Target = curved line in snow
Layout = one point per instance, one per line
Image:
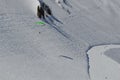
(102, 67)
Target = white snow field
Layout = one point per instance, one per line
(114, 56)
(57, 50)
(103, 67)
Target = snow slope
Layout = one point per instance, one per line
(114, 54)
(102, 67)
(29, 51)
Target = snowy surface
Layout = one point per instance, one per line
(114, 54)
(103, 67)
(29, 51)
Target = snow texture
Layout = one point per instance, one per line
(58, 49)
(101, 66)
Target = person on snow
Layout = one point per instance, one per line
(44, 10)
(40, 12)
(48, 10)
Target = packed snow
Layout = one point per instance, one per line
(114, 54)
(57, 50)
(102, 67)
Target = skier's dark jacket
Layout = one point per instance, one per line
(40, 12)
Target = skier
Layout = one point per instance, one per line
(45, 7)
(40, 12)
